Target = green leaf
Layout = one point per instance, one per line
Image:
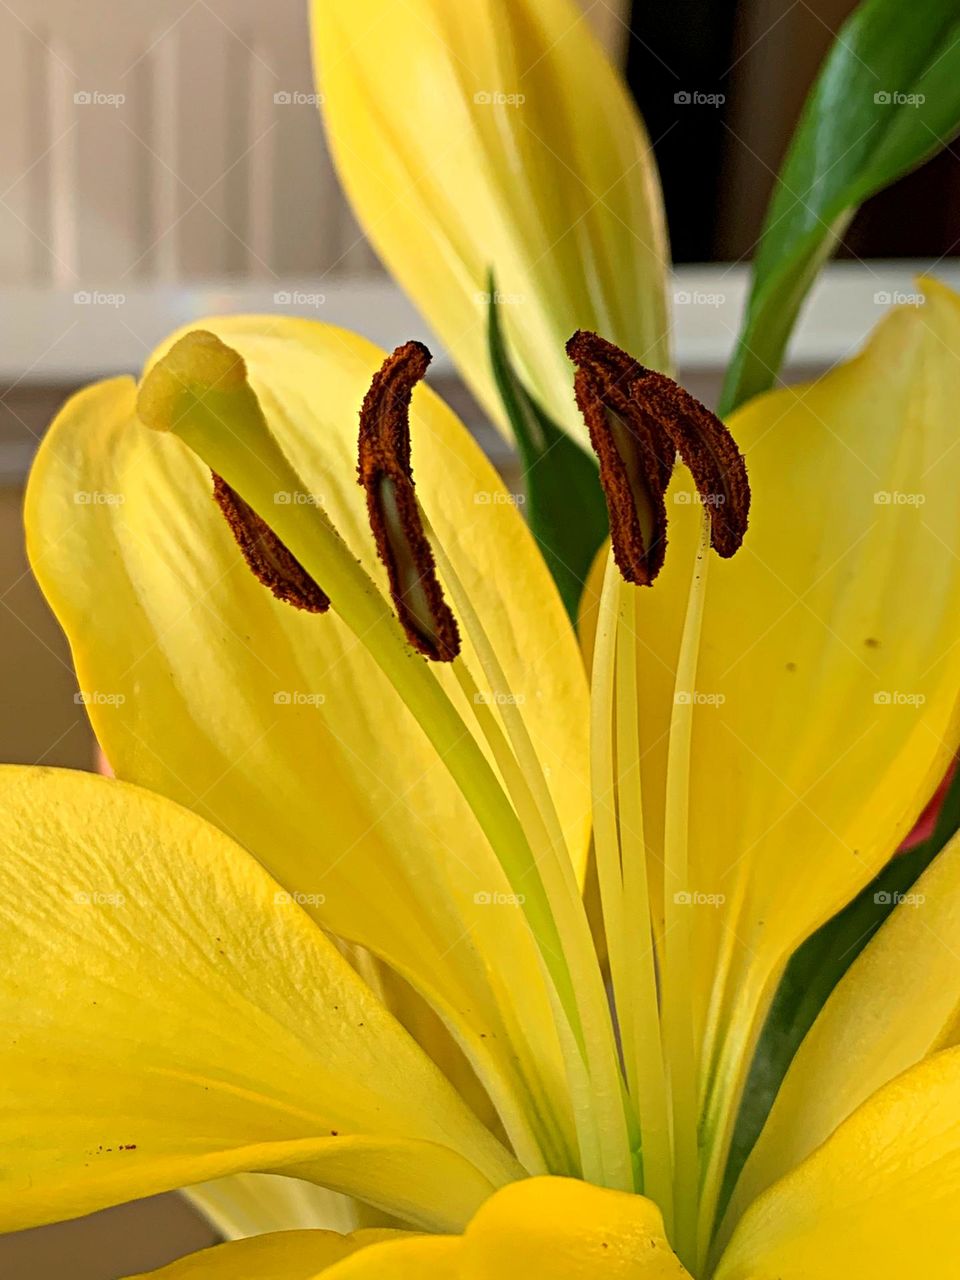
(886, 99)
(564, 502)
(815, 970)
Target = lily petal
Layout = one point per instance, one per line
(169, 1017)
(496, 135)
(423, 1258)
(277, 725)
(279, 1255)
(566, 1229)
(556, 1227)
(826, 702)
(253, 1204)
(898, 1003)
(881, 1198)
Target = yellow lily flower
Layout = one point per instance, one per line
(298, 782)
(495, 135)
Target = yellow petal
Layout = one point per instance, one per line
(171, 1017)
(897, 1003)
(496, 135)
(826, 701)
(541, 1227)
(568, 1230)
(279, 727)
(252, 1204)
(881, 1198)
(281, 1255)
(424, 1258)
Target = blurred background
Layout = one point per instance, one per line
(163, 159)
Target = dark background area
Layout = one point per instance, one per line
(762, 56)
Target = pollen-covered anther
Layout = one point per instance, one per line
(708, 450)
(636, 460)
(639, 420)
(385, 473)
(270, 561)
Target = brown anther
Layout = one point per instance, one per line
(636, 459)
(386, 476)
(639, 420)
(270, 561)
(709, 452)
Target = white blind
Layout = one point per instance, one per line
(169, 140)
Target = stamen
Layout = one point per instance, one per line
(386, 476)
(269, 560)
(639, 420)
(709, 451)
(635, 459)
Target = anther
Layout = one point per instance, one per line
(385, 473)
(639, 420)
(636, 460)
(270, 561)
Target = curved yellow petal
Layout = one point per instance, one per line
(280, 1255)
(252, 1204)
(423, 1258)
(170, 1017)
(277, 725)
(881, 1198)
(556, 1227)
(897, 1004)
(559, 1228)
(496, 135)
(825, 707)
(567, 1230)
